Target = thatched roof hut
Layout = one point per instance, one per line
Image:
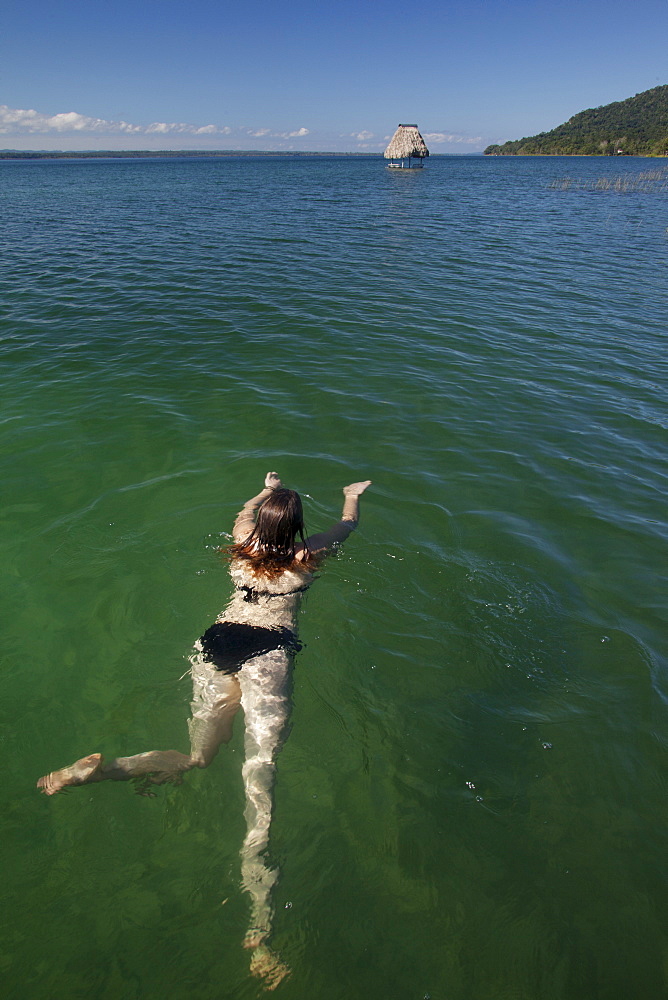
(406, 142)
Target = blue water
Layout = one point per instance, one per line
(471, 802)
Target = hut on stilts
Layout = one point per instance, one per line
(406, 144)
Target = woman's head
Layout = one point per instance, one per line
(279, 520)
(271, 545)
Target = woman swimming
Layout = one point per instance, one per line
(244, 658)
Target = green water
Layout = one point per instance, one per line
(471, 802)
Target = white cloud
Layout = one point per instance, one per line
(31, 121)
(29, 128)
(15, 119)
(183, 128)
(446, 137)
(297, 134)
(70, 121)
(21, 121)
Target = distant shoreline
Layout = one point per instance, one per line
(139, 154)
(173, 154)
(196, 154)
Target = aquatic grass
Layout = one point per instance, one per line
(646, 182)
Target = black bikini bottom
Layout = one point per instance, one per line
(229, 644)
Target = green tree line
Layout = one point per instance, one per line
(637, 126)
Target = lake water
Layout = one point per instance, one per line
(471, 802)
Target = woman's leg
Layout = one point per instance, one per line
(216, 699)
(165, 765)
(265, 687)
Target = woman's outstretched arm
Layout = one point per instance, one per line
(245, 519)
(338, 533)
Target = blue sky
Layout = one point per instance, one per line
(315, 74)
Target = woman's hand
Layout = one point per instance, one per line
(356, 489)
(272, 481)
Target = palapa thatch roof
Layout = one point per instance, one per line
(406, 142)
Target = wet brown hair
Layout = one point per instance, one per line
(270, 547)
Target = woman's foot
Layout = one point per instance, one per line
(79, 773)
(266, 965)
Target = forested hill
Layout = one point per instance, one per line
(637, 126)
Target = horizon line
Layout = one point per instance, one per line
(205, 152)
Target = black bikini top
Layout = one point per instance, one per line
(251, 594)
